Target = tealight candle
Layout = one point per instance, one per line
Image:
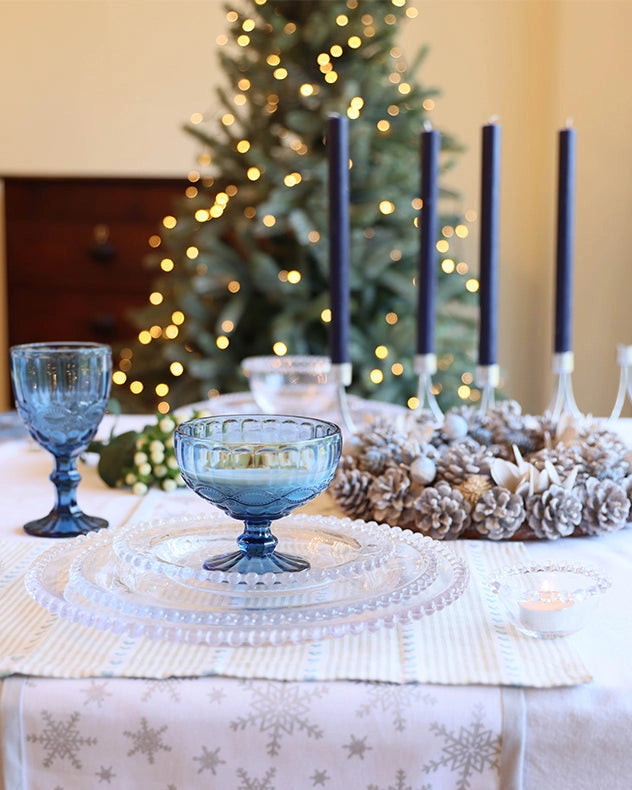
(546, 615)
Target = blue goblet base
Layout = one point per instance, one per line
(64, 525)
(241, 562)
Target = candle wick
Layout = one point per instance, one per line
(569, 122)
(494, 119)
(427, 126)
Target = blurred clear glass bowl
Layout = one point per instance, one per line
(296, 385)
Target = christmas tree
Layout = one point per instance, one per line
(242, 264)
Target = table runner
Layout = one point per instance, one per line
(467, 643)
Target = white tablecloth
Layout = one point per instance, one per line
(225, 732)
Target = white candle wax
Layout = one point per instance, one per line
(256, 477)
(547, 614)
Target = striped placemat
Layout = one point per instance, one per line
(467, 643)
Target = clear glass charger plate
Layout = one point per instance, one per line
(178, 548)
(85, 581)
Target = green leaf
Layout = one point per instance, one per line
(117, 454)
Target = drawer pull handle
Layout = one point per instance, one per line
(102, 250)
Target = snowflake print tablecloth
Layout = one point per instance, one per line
(179, 734)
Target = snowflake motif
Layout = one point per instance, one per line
(357, 747)
(255, 784)
(216, 695)
(280, 709)
(209, 760)
(467, 752)
(319, 778)
(166, 685)
(96, 692)
(400, 779)
(147, 740)
(61, 739)
(392, 697)
(105, 774)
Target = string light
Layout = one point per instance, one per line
(381, 352)
(279, 349)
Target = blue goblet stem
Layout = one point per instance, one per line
(257, 540)
(66, 519)
(66, 478)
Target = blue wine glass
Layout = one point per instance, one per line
(61, 393)
(257, 468)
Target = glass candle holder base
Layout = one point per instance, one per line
(425, 367)
(624, 360)
(563, 400)
(487, 379)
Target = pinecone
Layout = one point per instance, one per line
(606, 507)
(387, 495)
(462, 459)
(473, 488)
(442, 512)
(381, 445)
(554, 513)
(563, 459)
(498, 513)
(349, 488)
(603, 455)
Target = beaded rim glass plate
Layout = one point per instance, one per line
(86, 582)
(178, 548)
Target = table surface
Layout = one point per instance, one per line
(259, 733)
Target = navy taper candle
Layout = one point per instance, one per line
(565, 234)
(338, 159)
(428, 221)
(488, 281)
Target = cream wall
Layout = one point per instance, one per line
(101, 87)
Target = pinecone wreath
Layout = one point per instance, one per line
(499, 476)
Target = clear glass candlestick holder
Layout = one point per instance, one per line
(624, 360)
(257, 468)
(425, 366)
(563, 400)
(487, 379)
(61, 393)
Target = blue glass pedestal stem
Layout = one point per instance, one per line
(256, 553)
(66, 519)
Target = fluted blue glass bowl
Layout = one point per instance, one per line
(61, 393)
(257, 468)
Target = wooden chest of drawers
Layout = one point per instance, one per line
(74, 253)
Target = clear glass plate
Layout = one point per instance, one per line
(334, 547)
(86, 582)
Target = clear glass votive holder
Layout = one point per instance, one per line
(294, 385)
(549, 600)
